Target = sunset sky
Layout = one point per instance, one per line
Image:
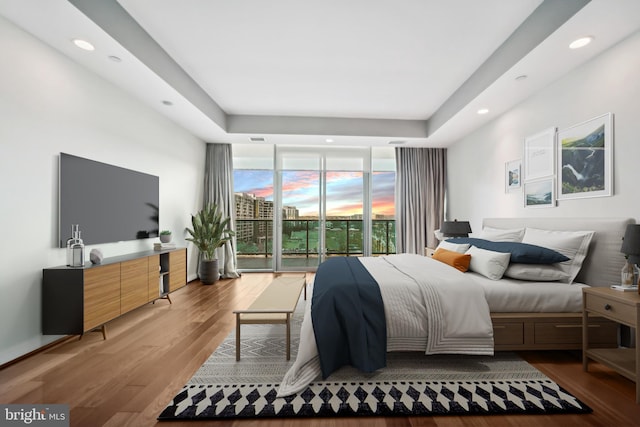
(300, 189)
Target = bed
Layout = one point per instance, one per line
(562, 330)
(486, 314)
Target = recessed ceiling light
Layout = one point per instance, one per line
(115, 58)
(483, 111)
(397, 142)
(256, 139)
(169, 103)
(328, 140)
(83, 44)
(581, 42)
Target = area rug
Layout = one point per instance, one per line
(411, 385)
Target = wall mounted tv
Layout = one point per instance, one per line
(110, 203)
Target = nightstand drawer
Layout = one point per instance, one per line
(614, 310)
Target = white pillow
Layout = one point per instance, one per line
(455, 247)
(572, 244)
(488, 263)
(536, 272)
(502, 235)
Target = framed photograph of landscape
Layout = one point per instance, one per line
(512, 175)
(585, 159)
(539, 152)
(539, 193)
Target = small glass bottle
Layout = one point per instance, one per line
(78, 251)
(75, 248)
(627, 275)
(69, 251)
(70, 242)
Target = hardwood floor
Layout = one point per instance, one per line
(151, 353)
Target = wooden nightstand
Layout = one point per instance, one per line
(621, 307)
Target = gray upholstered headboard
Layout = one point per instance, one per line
(603, 262)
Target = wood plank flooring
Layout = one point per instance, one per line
(151, 353)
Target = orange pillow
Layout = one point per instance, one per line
(454, 259)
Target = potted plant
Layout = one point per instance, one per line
(209, 232)
(165, 236)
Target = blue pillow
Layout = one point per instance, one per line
(522, 253)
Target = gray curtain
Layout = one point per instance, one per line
(218, 189)
(421, 175)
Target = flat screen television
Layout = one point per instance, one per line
(109, 203)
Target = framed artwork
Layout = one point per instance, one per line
(585, 159)
(512, 175)
(539, 194)
(539, 152)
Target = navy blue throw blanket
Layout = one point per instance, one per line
(348, 317)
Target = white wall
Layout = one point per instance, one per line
(608, 83)
(49, 104)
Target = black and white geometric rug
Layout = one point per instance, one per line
(411, 384)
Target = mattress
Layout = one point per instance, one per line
(519, 296)
(435, 313)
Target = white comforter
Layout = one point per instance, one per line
(429, 306)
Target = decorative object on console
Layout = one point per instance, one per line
(163, 246)
(455, 228)
(631, 249)
(165, 236)
(75, 248)
(95, 256)
(209, 232)
(585, 159)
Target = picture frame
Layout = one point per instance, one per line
(585, 159)
(539, 193)
(539, 152)
(512, 175)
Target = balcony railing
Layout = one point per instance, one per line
(300, 238)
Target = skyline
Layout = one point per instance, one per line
(301, 189)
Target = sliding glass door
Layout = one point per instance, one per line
(296, 206)
(299, 231)
(320, 194)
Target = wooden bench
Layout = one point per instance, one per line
(274, 305)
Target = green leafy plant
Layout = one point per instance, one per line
(165, 232)
(209, 231)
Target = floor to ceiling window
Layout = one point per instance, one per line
(296, 206)
(253, 188)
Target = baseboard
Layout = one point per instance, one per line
(37, 350)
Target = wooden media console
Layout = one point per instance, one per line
(76, 300)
